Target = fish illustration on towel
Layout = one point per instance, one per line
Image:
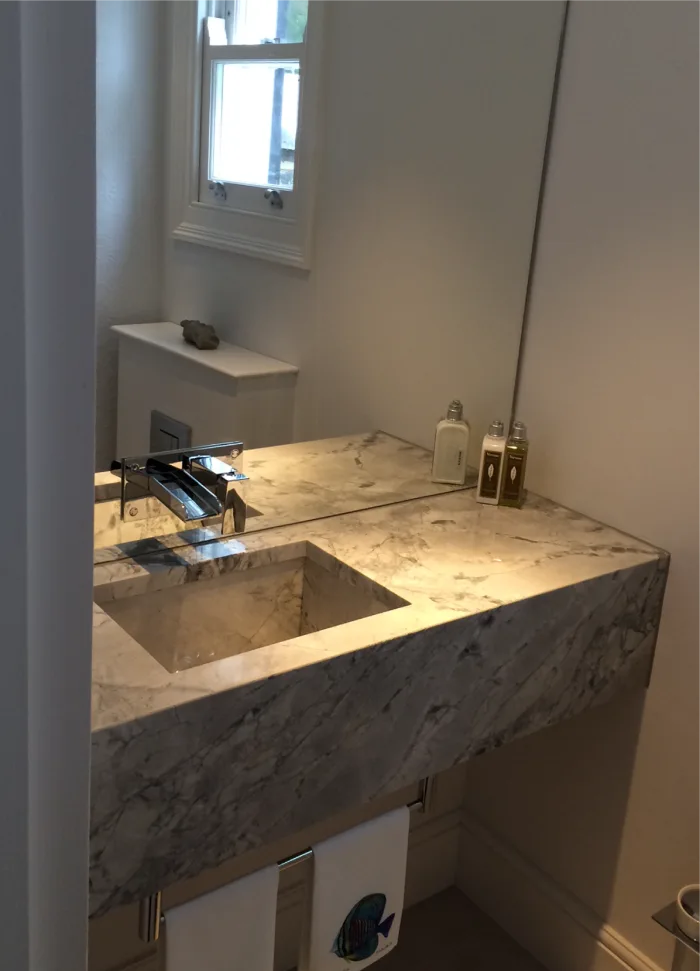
(359, 936)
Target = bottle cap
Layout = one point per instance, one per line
(454, 410)
(496, 429)
(518, 432)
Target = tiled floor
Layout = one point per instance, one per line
(448, 933)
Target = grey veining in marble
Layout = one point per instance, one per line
(290, 484)
(515, 620)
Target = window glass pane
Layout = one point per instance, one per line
(266, 21)
(254, 123)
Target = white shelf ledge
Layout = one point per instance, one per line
(228, 359)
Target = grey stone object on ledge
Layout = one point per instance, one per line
(202, 335)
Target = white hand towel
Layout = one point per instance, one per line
(358, 891)
(230, 929)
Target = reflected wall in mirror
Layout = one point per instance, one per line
(391, 279)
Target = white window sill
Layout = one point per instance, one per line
(263, 249)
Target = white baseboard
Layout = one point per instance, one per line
(548, 921)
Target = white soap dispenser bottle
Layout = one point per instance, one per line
(491, 465)
(451, 444)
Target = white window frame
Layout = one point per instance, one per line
(239, 196)
(280, 235)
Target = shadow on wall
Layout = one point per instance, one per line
(130, 188)
(604, 744)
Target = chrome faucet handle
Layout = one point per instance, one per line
(209, 463)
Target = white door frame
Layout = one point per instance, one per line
(47, 289)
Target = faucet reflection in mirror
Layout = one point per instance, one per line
(194, 484)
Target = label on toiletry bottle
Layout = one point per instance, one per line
(489, 478)
(513, 476)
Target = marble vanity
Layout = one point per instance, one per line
(249, 687)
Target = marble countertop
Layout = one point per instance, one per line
(514, 620)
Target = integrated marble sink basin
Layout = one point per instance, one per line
(263, 601)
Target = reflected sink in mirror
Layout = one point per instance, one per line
(150, 519)
(287, 484)
(249, 607)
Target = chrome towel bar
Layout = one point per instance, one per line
(151, 917)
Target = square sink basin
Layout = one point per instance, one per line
(248, 606)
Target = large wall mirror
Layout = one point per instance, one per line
(347, 192)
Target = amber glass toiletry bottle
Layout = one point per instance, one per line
(491, 464)
(513, 492)
(451, 444)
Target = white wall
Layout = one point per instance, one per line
(130, 165)
(435, 121)
(47, 188)
(608, 805)
(14, 729)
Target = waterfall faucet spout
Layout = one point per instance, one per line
(195, 484)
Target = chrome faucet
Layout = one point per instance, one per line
(223, 481)
(193, 483)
